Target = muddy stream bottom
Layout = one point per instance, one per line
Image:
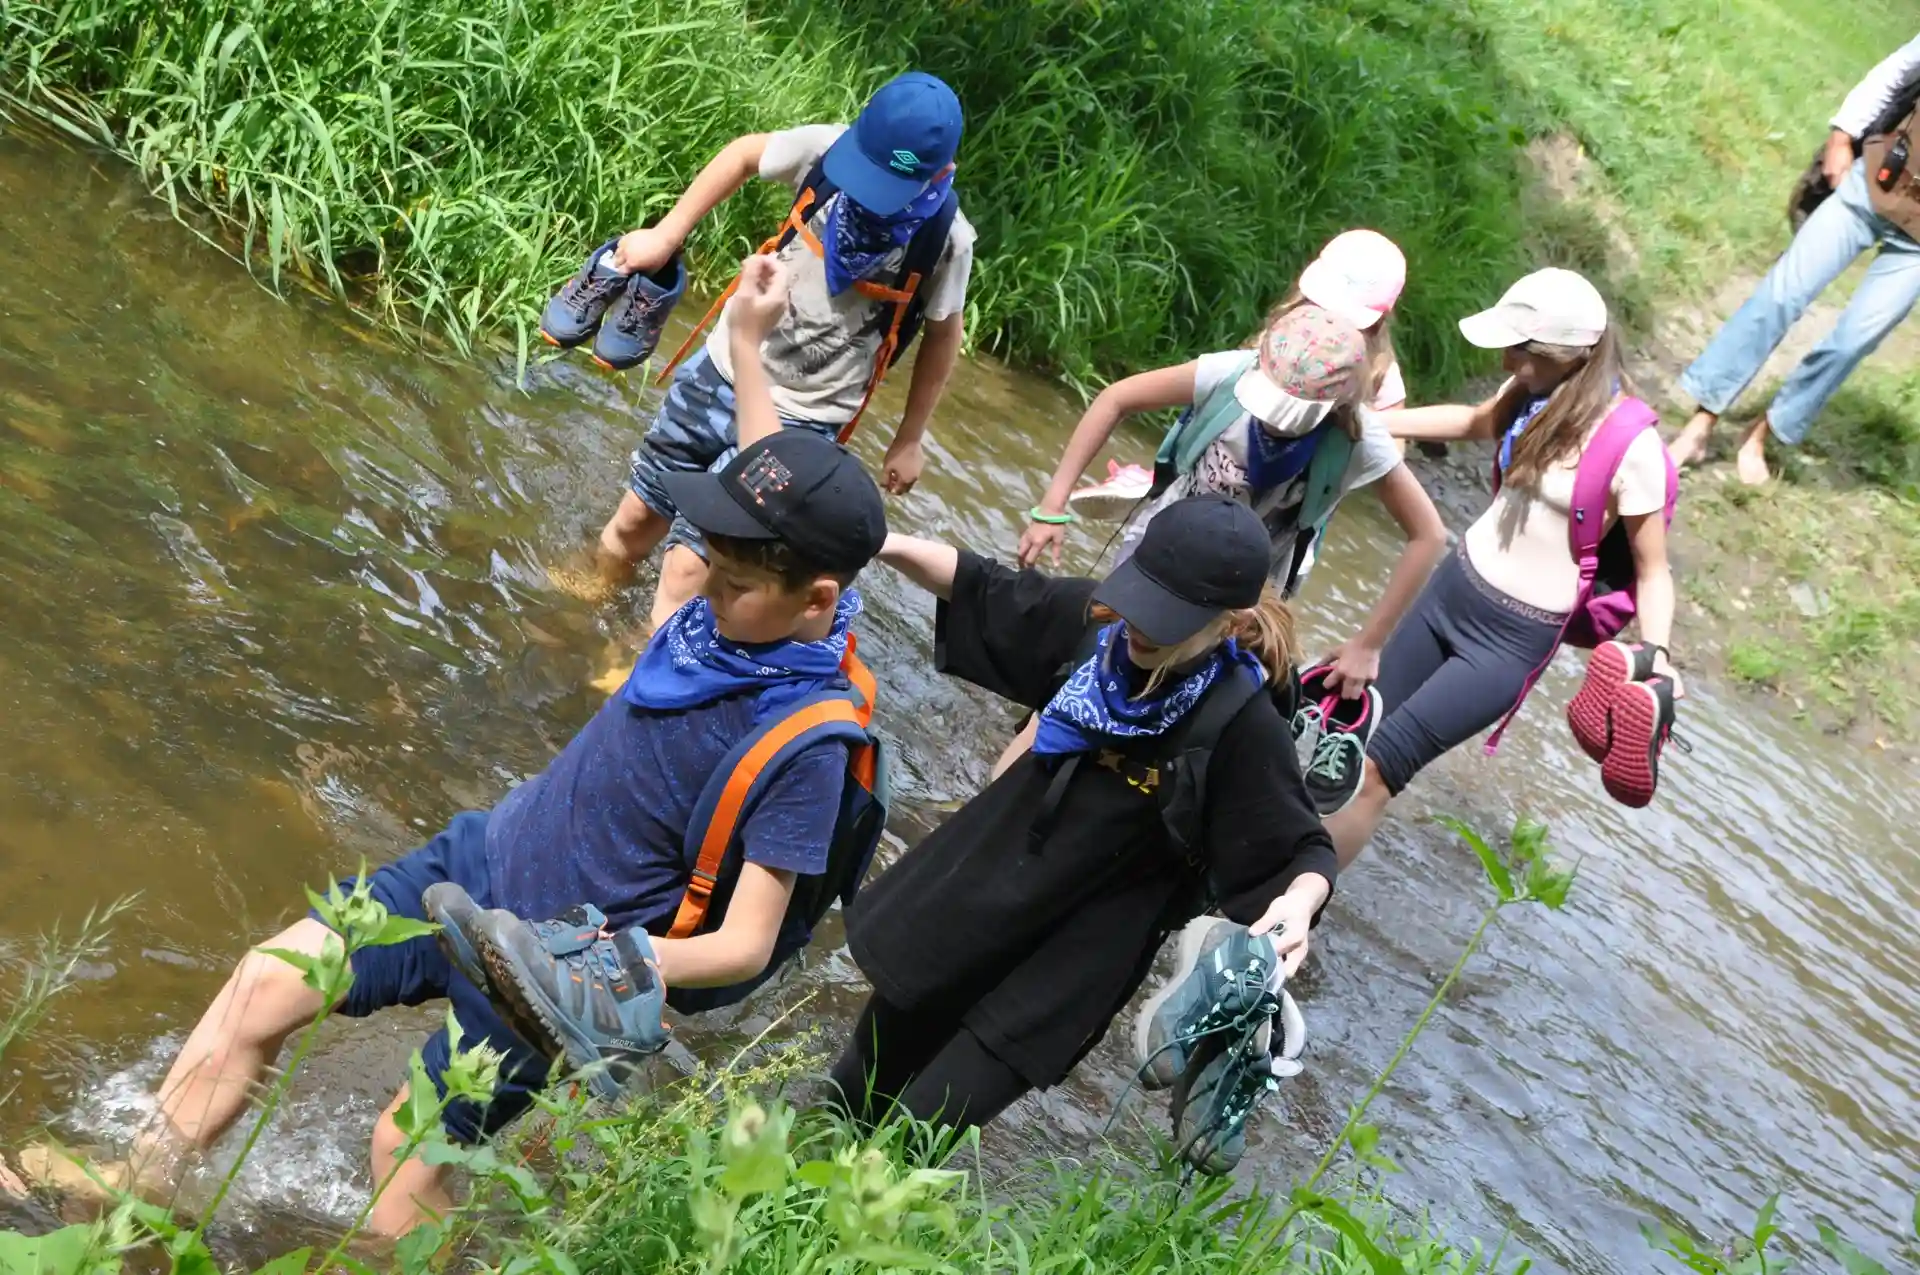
(274, 598)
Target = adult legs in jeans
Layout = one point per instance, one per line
(1838, 232)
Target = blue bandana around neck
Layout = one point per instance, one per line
(857, 241)
(1093, 705)
(1272, 461)
(1534, 406)
(687, 664)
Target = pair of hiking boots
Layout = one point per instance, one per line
(1623, 718)
(565, 986)
(622, 314)
(1207, 1037)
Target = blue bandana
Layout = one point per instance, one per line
(1093, 704)
(1533, 408)
(857, 241)
(1272, 461)
(688, 664)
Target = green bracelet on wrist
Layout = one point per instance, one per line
(1036, 514)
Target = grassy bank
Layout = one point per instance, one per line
(1145, 177)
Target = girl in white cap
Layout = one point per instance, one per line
(1258, 420)
(1494, 613)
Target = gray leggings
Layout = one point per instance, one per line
(1453, 667)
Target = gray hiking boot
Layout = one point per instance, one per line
(1224, 981)
(574, 312)
(636, 318)
(455, 912)
(1233, 1077)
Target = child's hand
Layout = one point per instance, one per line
(760, 302)
(644, 251)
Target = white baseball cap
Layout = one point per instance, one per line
(1358, 275)
(1552, 306)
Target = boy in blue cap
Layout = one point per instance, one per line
(611, 821)
(874, 246)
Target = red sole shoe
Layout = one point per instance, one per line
(1641, 721)
(1589, 712)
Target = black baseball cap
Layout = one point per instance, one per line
(1199, 557)
(797, 487)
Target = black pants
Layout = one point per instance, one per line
(922, 1062)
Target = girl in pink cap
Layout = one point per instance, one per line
(1287, 426)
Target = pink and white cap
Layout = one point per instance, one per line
(1358, 276)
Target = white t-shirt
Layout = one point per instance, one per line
(820, 357)
(1222, 467)
(1519, 545)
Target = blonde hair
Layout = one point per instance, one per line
(1264, 629)
(1380, 356)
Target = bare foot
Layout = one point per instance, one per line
(1690, 444)
(10, 1183)
(75, 1175)
(1752, 460)
(620, 657)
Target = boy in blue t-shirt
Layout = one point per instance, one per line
(790, 521)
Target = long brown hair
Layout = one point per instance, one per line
(1380, 357)
(1574, 407)
(1265, 629)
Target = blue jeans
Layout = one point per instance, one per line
(696, 430)
(1838, 231)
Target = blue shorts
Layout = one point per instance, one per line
(415, 972)
(695, 431)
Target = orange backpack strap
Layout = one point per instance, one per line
(795, 224)
(839, 713)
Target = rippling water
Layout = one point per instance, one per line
(273, 598)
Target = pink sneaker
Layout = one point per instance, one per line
(1116, 498)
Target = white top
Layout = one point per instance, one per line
(821, 355)
(1519, 545)
(1871, 95)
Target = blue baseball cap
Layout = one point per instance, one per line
(906, 134)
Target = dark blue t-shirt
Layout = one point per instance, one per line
(606, 822)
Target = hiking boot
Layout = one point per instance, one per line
(1339, 764)
(570, 992)
(1643, 715)
(1211, 1108)
(455, 912)
(574, 313)
(1114, 499)
(638, 315)
(1590, 712)
(1224, 981)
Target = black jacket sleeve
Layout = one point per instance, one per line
(1263, 832)
(1010, 632)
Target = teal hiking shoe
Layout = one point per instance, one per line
(1225, 981)
(633, 323)
(1212, 1104)
(455, 912)
(573, 993)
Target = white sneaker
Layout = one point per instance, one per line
(1114, 499)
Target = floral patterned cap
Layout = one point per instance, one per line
(1309, 360)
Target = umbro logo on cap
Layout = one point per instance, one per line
(905, 161)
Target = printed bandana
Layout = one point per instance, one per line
(688, 664)
(1094, 704)
(857, 241)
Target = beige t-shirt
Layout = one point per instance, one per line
(1519, 545)
(820, 357)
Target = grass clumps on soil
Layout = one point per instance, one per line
(1146, 178)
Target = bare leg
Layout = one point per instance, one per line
(682, 574)
(1752, 460)
(1020, 743)
(1690, 444)
(1352, 828)
(418, 1192)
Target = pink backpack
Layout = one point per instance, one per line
(1607, 578)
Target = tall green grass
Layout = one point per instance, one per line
(1147, 178)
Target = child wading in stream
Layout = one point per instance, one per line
(1289, 428)
(1161, 779)
(1578, 460)
(875, 247)
(622, 819)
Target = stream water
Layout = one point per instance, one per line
(273, 597)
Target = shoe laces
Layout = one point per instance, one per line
(1311, 718)
(581, 294)
(638, 309)
(1331, 755)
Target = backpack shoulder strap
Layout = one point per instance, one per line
(1593, 477)
(1199, 426)
(924, 251)
(1183, 802)
(842, 712)
(814, 190)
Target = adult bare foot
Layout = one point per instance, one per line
(1752, 460)
(1690, 444)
